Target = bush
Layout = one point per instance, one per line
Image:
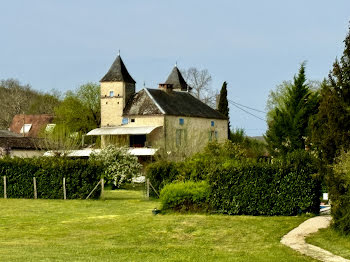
(286, 187)
(81, 177)
(185, 196)
(161, 173)
(119, 165)
(339, 185)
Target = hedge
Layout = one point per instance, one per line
(161, 173)
(81, 177)
(264, 189)
(185, 196)
(338, 181)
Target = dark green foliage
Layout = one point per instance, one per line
(254, 148)
(161, 173)
(81, 177)
(195, 168)
(185, 196)
(286, 187)
(223, 105)
(339, 189)
(331, 125)
(288, 128)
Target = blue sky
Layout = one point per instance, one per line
(253, 45)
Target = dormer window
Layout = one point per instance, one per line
(49, 128)
(111, 93)
(26, 128)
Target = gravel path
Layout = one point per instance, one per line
(295, 239)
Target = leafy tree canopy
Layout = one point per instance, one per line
(331, 124)
(80, 110)
(288, 121)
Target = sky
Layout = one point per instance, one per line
(252, 45)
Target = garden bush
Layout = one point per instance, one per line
(81, 177)
(339, 185)
(185, 196)
(286, 187)
(161, 173)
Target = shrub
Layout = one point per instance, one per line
(161, 173)
(185, 196)
(286, 187)
(81, 177)
(119, 166)
(339, 185)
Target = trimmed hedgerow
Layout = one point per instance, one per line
(286, 187)
(81, 177)
(161, 173)
(185, 196)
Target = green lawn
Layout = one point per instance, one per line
(332, 241)
(122, 228)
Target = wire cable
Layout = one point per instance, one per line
(257, 110)
(247, 111)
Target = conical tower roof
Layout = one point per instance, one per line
(175, 78)
(118, 72)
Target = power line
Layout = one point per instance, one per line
(247, 111)
(248, 107)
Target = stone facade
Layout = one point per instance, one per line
(182, 124)
(114, 96)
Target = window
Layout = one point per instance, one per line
(132, 120)
(111, 93)
(181, 137)
(125, 121)
(213, 136)
(49, 128)
(212, 123)
(181, 121)
(26, 128)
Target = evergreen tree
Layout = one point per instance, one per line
(288, 128)
(331, 125)
(223, 106)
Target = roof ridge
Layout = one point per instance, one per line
(154, 101)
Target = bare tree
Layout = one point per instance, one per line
(200, 81)
(14, 99)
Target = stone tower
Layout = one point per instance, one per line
(117, 86)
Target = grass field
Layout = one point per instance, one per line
(332, 241)
(122, 228)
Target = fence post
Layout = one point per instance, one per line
(5, 194)
(102, 186)
(147, 188)
(35, 193)
(64, 189)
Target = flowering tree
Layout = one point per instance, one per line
(120, 166)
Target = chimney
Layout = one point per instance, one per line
(217, 101)
(166, 87)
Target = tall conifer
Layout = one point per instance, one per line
(223, 106)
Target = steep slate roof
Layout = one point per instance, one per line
(177, 103)
(175, 78)
(38, 122)
(141, 104)
(118, 72)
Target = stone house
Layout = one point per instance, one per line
(15, 145)
(168, 119)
